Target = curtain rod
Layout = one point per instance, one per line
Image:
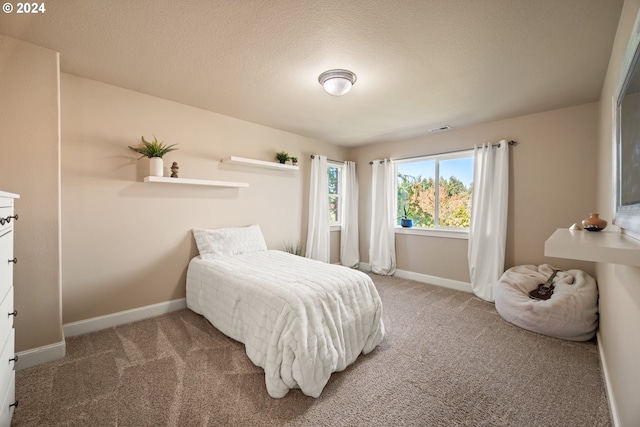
(448, 152)
(313, 156)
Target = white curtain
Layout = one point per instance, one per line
(349, 250)
(488, 227)
(382, 248)
(318, 230)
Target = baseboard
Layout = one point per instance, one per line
(38, 356)
(613, 408)
(122, 317)
(434, 280)
(425, 278)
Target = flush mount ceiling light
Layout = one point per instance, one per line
(337, 82)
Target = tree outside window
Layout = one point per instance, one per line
(333, 172)
(450, 205)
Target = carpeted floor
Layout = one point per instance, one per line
(448, 359)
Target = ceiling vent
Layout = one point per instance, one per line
(440, 129)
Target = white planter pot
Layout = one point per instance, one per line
(156, 166)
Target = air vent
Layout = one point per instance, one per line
(440, 129)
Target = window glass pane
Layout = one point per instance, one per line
(456, 176)
(450, 205)
(333, 180)
(333, 208)
(416, 182)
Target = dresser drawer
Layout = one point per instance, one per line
(6, 267)
(6, 365)
(4, 213)
(6, 320)
(6, 411)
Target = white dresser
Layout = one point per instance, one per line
(7, 260)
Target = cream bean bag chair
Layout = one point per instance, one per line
(571, 313)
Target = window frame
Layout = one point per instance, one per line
(336, 225)
(437, 230)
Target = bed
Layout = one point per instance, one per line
(299, 319)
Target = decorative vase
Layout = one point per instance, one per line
(156, 166)
(594, 223)
(406, 223)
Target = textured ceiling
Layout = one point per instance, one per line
(420, 64)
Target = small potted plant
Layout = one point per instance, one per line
(405, 221)
(294, 160)
(154, 150)
(282, 156)
(294, 248)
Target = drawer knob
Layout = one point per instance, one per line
(8, 219)
(14, 260)
(15, 404)
(14, 359)
(13, 313)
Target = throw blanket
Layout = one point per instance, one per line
(300, 319)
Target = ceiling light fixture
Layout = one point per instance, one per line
(337, 82)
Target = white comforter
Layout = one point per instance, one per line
(300, 319)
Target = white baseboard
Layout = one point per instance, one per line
(615, 418)
(122, 317)
(40, 355)
(434, 280)
(425, 278)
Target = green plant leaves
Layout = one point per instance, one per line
(154, 148)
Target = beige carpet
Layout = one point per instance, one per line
(448, 359)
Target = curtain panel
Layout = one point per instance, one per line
(318, 237)
(382, 247)
(488, 225)
(349, 238)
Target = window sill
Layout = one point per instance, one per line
(434, 232)
(334, 228)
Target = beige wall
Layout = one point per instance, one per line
(126, 243)
(618, 284)
(29, 165)
(552, 185)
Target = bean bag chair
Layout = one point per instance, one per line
(571, 313)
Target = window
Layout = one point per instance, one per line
(418, 179)
(334, 172)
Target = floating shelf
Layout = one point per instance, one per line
(235, 160)
(601, 246)
(168, 180)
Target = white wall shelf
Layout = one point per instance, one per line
(598, 246)
(168, 180)
(235, 160)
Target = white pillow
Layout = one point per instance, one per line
(223, 242)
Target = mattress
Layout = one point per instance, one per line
(299, 319)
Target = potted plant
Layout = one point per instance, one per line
(154, 150)
(293, 248)
(294, 160)
(405, 221)
(282, 156)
